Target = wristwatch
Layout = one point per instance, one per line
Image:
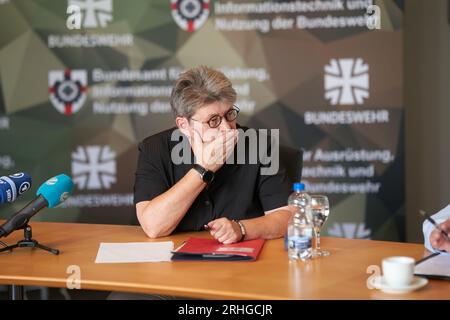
(207, 175)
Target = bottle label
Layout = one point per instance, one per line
(300, 243)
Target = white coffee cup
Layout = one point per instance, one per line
(398, 271)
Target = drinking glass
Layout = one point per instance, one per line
(320, 209)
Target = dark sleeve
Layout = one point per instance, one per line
(150, 178)
(274, 188)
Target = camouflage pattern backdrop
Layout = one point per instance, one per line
(83, 81)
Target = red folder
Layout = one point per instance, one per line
(211, 249)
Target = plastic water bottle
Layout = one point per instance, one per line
(300, 228)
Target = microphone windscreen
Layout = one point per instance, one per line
(56, 190)
(13, 186)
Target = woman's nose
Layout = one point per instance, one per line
(225, 125)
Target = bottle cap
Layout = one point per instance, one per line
(298, 186)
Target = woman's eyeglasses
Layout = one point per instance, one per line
(216, 120)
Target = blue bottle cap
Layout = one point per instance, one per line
(298, 186)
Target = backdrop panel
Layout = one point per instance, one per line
(83, 81)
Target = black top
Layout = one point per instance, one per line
(238, 191)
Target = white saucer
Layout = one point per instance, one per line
(380, 283)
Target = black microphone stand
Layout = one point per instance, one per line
(28, 242)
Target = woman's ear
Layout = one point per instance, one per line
(183, 124)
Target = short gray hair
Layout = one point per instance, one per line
(200, 86)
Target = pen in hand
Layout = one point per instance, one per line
(426, 216)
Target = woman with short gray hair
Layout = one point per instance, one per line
(235, 202)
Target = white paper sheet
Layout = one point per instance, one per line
(132, 252)
(438, 266)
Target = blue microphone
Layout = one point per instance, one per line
(55, 190)
(51, 193)
(13, 186)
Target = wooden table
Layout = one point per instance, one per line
(342, 275)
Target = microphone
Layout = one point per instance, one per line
(13, 186)
(51, 193)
